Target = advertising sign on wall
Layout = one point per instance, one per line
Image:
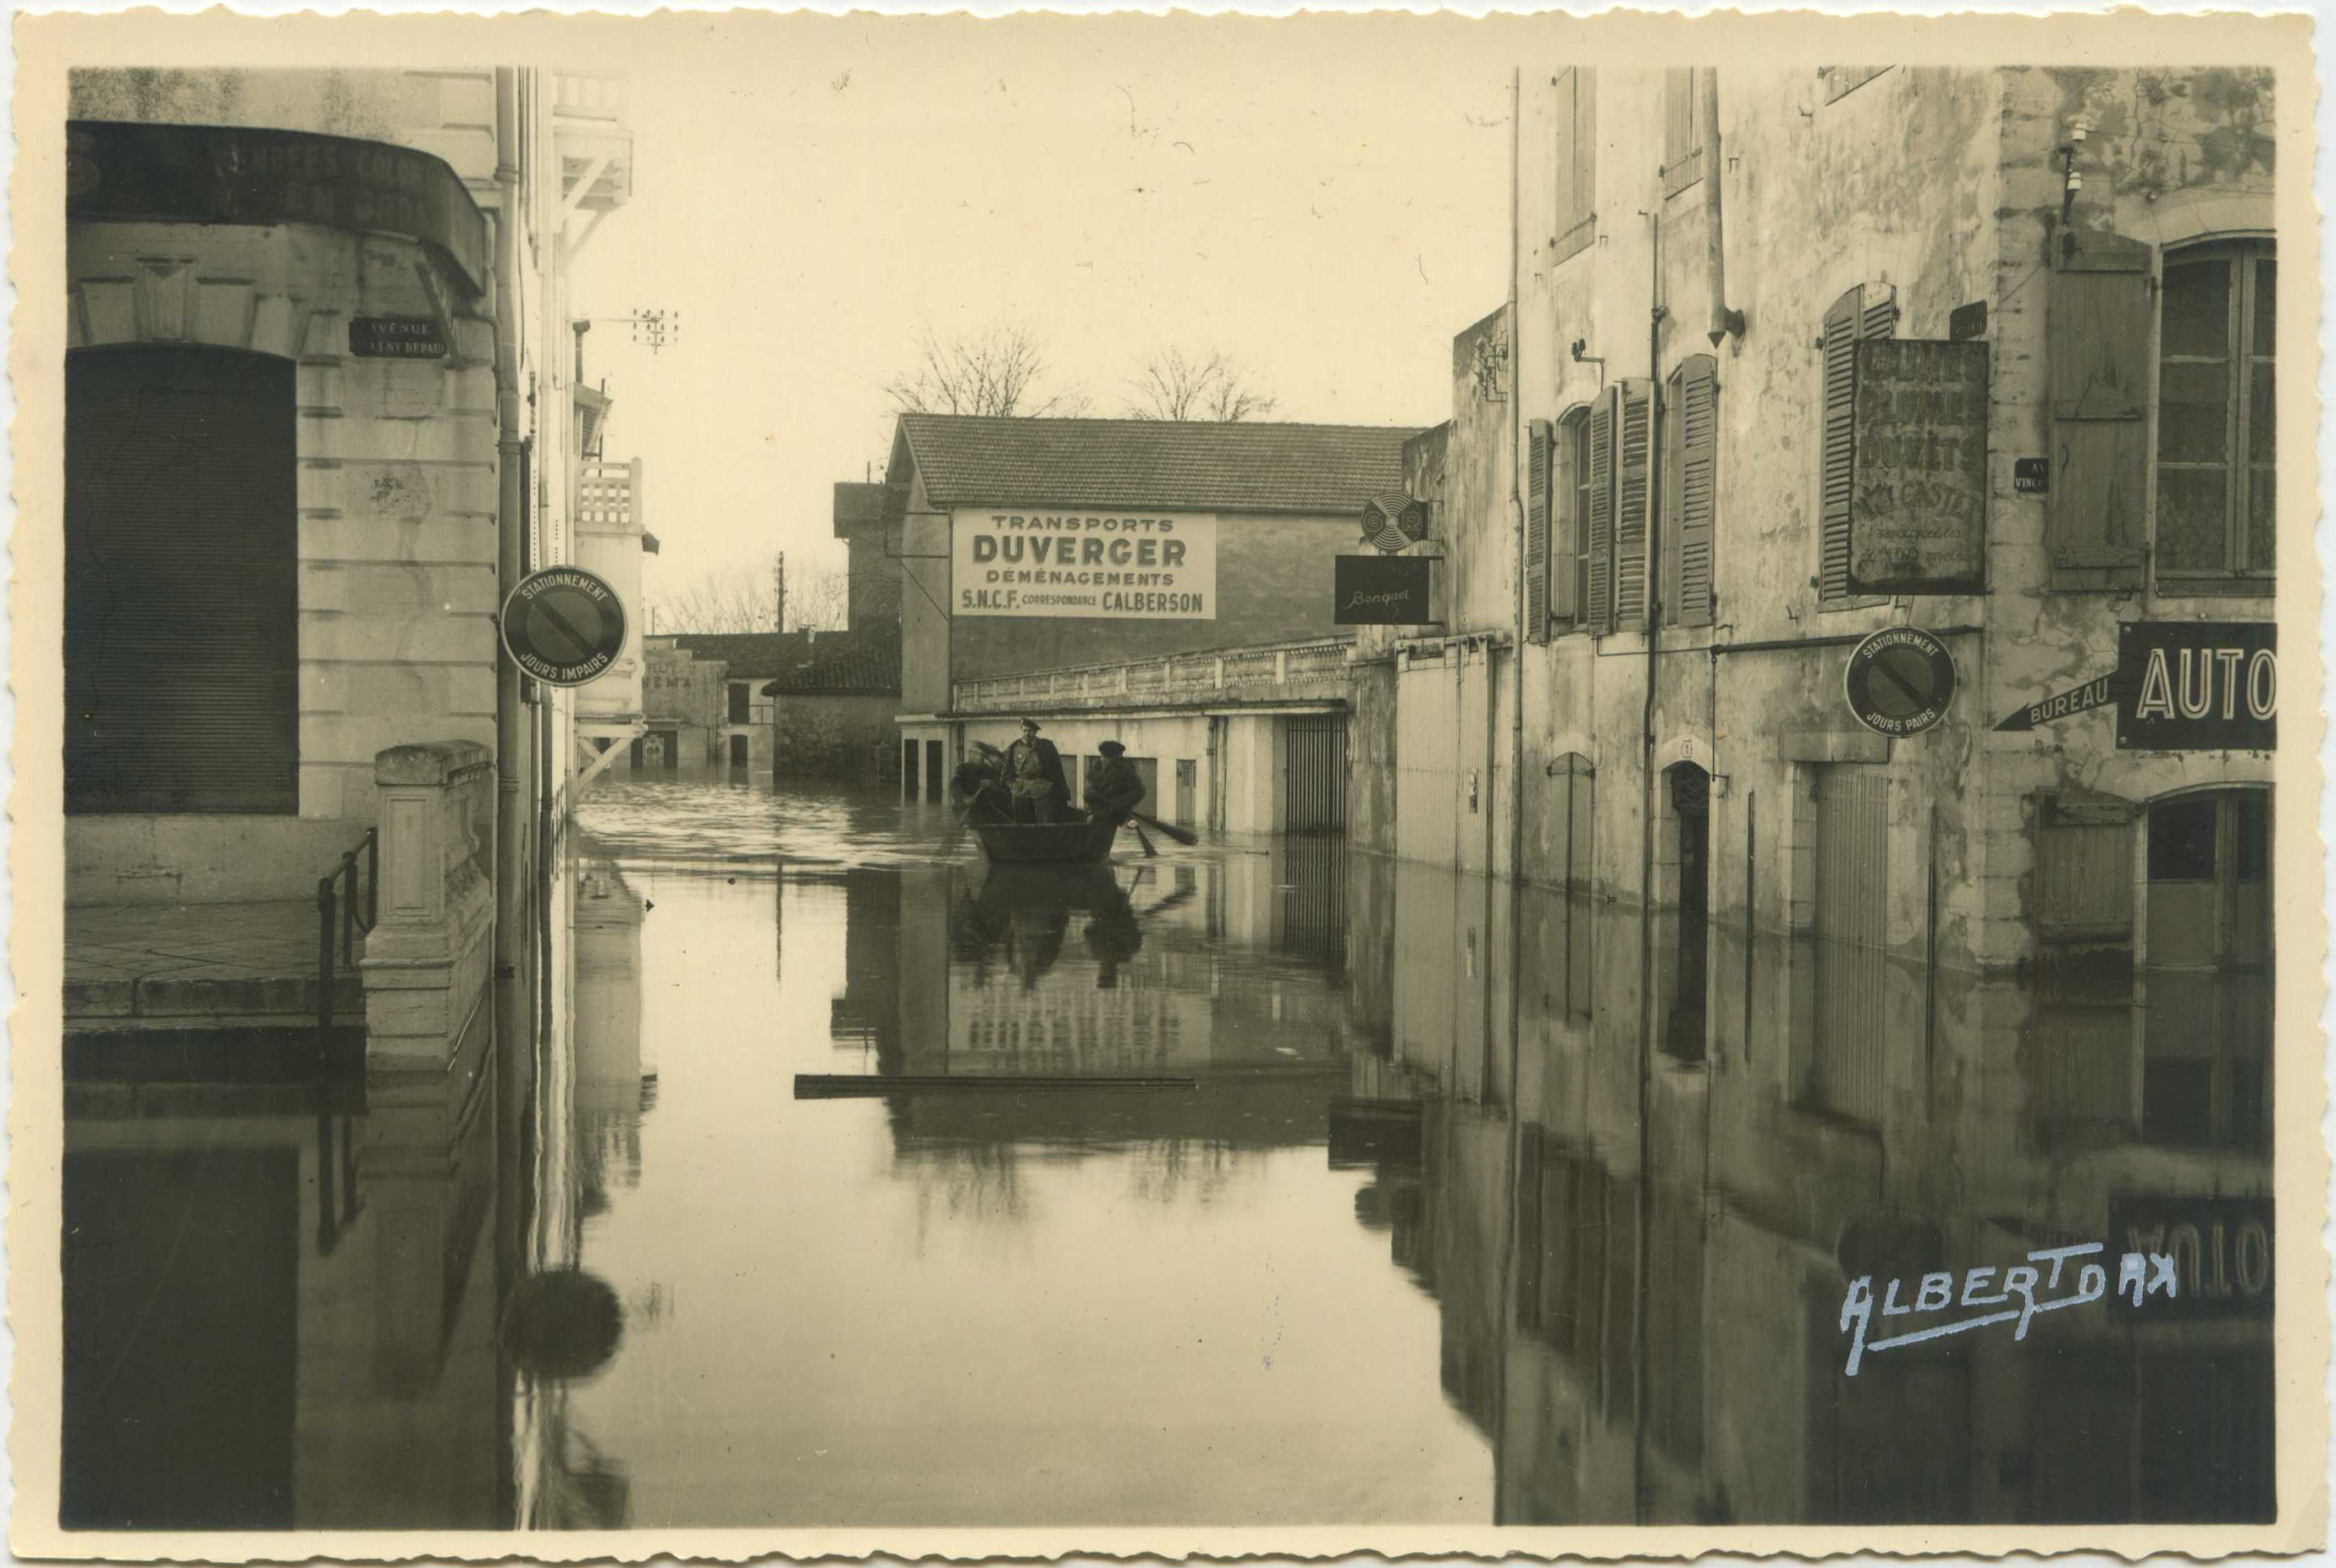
(1096, 563)
(1380, 591)
(2197, 686)
(1918, 495)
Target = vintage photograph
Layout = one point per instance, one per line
(1166, 783)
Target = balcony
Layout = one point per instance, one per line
(594, 141)
(1312, 671)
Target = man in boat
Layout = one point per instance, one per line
(1114, 789)
(978, 788)
(1034, 773)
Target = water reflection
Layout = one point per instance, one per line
(1479, 1204)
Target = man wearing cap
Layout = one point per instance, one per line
(1114, 789)
(1034, 773)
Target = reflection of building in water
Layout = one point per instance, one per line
(613, 1092)
(1640, 1256)
(327, 1359)
(868, 1013)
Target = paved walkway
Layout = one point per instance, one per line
(195, 966)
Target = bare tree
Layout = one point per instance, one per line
(744, 597)
(995, 372)
(1176, 386)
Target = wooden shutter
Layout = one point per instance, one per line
(1565, 521)
(1575, 160)
(1869, 310)
(1682, 153)
(2098, 345)
(1697, 473)
(1538, 491)
(2083, 889)
(1634, 426)
(182, 551)
(1599, 611)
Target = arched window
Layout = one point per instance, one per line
(182, 552)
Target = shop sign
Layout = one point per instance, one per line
(1918, 492)
(2197, 686)
(2221, 1248)
(564, 625)
(1102, 564)
(1899, 682)
(396, 337)
(1380, 591)
(121, 172)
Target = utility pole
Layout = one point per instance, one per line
(779, 574)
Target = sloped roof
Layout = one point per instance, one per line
(750, 654)
(871, 663)
(1180, 464)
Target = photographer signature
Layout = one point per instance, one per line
(2146, 1274)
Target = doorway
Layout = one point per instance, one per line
(1690, 788)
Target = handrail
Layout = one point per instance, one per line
(332, 906)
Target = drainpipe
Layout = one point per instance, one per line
(512, 817)
(1723, 321)
(1517, 508)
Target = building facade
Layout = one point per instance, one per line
(1132, 558)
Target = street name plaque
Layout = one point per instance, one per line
(563, 625)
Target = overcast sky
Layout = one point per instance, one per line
(1326, 202)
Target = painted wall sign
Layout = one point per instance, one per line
(2197, 686)
(1967, 322)
(1381, 590)
(396, 337)
(1899, 681)
(563, 624)
(122, 172)
(2097, 692)
(1918, 495)
(2221, 1247)
(2031, 475)
(1095, 562)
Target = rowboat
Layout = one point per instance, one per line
(1042, 843)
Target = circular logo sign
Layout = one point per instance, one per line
(1899, 681)
(563, 625)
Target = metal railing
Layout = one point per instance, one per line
(336, 908)
(1175, 676)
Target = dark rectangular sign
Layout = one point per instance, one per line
(2221, 1248)
(396, 337)
(1381, 590)
(2197, 686)
(1918, 487)
(2031, 475)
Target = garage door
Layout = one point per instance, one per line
(181, 582)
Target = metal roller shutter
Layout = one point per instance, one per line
(181, 582)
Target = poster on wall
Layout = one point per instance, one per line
(1917, 493)
(1096, 563)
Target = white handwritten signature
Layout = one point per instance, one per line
(2147, 1274)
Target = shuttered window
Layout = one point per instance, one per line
(1599, 512)
(1690, 465)
(1634, 431)
(1682, 147)
(2216, 517)
(1540, 491)
(1575, 91)
(2097, 338)
(1869, 310)
(1569, 590)
(181, 582)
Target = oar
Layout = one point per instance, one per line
(1149, 852)
(1166, 830)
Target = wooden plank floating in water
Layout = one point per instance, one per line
(866, 1085)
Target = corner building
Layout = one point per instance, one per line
(1801, 355)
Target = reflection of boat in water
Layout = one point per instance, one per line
(1042, 843)
(1023, 912)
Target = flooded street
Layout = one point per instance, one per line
(1443, 1202)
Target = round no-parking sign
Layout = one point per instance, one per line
(563, 625)
(1899, 681)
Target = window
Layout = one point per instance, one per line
(1575, 112)
(1691, 451)
(739, 698)
(1682, 146)
(1618, 439)
(1541, 444)
(1869, 310)
(182, 634)
(2205, 1064)
(1573, 501)
(2216, 516)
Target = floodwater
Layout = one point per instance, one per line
(1440, 1203)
